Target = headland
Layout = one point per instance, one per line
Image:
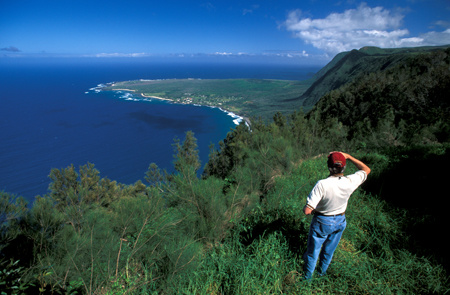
(258, 98)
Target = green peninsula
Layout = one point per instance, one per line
(245, 97)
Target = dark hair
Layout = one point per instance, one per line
(336, 169)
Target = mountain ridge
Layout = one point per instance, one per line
(347, 66)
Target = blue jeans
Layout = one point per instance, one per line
(324, 235)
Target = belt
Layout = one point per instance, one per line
(321, 214)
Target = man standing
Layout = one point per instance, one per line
(328, 202)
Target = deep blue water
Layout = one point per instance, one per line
(47, 120)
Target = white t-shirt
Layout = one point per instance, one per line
(330, 195)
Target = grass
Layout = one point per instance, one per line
(263, 255)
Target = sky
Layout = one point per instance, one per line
(305, 30)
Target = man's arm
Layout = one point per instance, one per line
(360, 165)
(308, 210)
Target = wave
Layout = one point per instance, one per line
(236, 118)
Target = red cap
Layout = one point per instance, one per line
(336, 159)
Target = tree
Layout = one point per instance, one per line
(13, 210)
(64, 182)
(154, 175)
(187, 154)
(232, 153)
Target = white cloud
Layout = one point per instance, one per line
(223, 53)
(141, 54)
(286, 53)
(436, 38)
(356, 28)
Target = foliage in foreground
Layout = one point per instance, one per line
(205, 236)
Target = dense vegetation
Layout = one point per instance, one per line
(348, 66)
(238, 229)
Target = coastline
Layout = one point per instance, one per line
(237, 119)
(124, 89)
(157, 97)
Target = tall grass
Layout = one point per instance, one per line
(263, 255)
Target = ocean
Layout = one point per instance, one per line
(51, 117)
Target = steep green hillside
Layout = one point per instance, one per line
(406, 103)
(345, 67)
